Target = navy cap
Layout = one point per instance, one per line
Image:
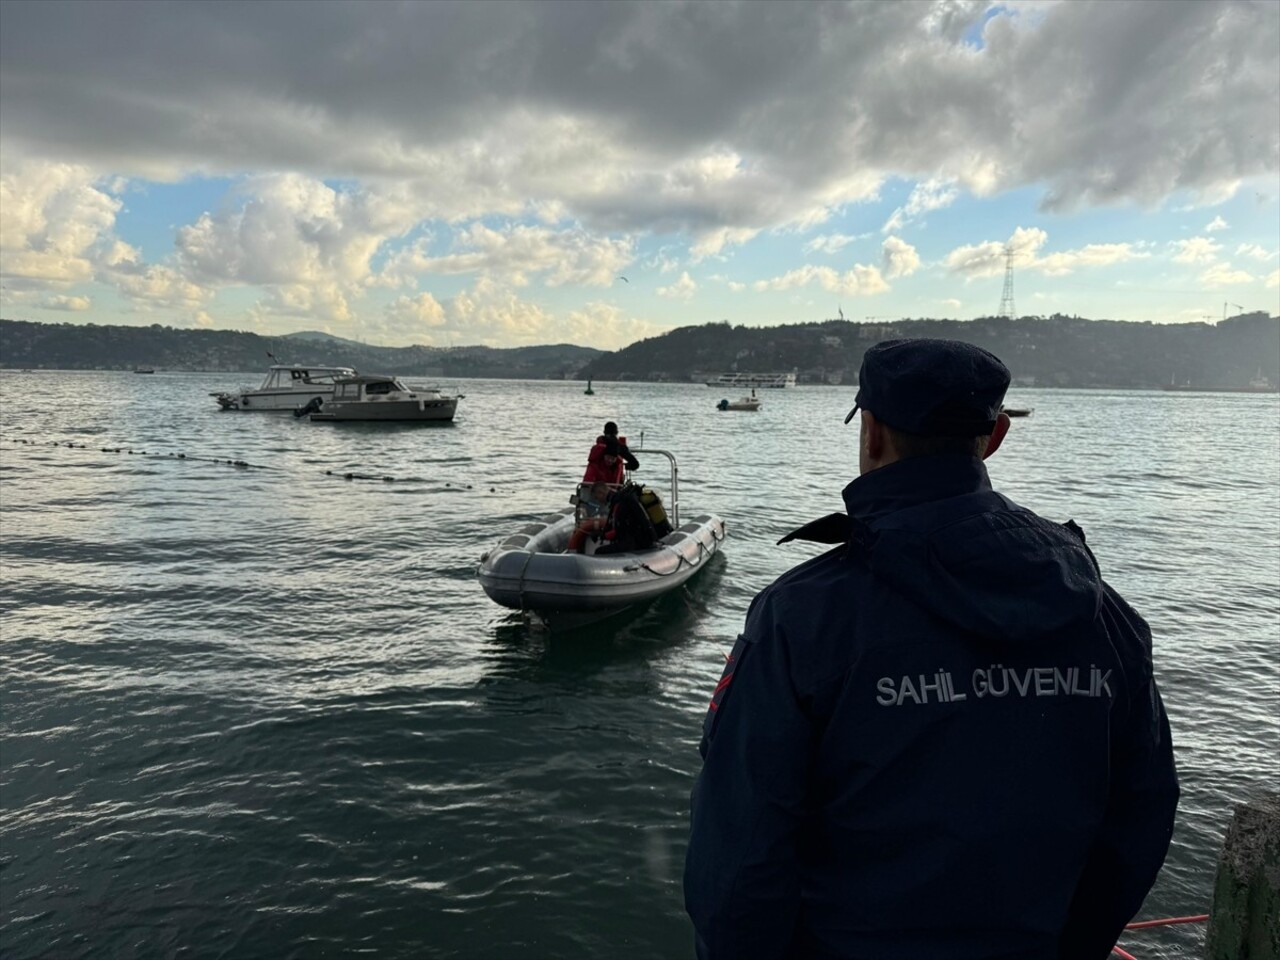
(932, 387)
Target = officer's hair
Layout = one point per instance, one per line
(909, 445)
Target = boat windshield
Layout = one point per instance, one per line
(592, 500)
(303, 377)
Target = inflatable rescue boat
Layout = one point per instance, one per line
(533, 570)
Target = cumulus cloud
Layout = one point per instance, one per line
(1196, 250)
(493, 314)
(415, 315)
(605, 325)
(1223, 274)
(515, 253)
(989, 259)
(682, 289)
(1273, 279)
(55, 218)
(900, 258)
(1216, 224)
(74, 304)
(932, 194)
(1090, 255)
(1255, 252)
(828, 243)
(718, 120)
(157, 285)
(290, 229)
(860, 280)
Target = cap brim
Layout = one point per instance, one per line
(851, 413)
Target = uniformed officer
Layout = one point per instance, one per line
(942, 738)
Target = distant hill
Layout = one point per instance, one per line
(321, 337)
(1057, 351)
(66, 346)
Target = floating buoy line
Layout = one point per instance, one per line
(226, 461)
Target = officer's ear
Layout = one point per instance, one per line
(873, 442)
(997, 435)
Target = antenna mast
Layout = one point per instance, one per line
(1006, 300)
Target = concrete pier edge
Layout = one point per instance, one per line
(1244, 921)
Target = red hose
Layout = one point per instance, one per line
(1167, 921)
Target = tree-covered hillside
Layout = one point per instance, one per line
(66, 346)
(1052, 351)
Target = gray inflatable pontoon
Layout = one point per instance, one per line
(529, 570)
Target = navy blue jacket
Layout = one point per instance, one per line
(939, 740)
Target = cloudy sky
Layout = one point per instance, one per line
(594, 173)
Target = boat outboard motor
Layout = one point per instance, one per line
(314, 404)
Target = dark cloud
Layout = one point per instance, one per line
(484, 105)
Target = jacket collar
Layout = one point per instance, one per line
(917, 480)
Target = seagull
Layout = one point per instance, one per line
(624, 279)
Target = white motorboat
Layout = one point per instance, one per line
(287, 386)
(374, 397)
(742, 403)
(530, 570)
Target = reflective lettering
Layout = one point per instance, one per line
(907, 691)
(979, 683)
(887, 696)
(1024, 684)
(926, 685)
(994, 681)
(1044, 681)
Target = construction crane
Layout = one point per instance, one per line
(1238, 306)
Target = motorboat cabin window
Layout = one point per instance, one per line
(378, 388)
(347, 391)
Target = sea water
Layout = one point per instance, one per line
(264, 710)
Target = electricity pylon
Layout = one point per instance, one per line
(1006, 300)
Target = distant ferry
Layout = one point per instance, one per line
(765, 381)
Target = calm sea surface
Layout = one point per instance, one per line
(267, 711)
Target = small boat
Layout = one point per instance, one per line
(144, 369)
(742, 403)
(385, 399)
(1018, 411)
(286, 387)
(531, 571)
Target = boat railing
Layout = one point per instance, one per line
(673, 506)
